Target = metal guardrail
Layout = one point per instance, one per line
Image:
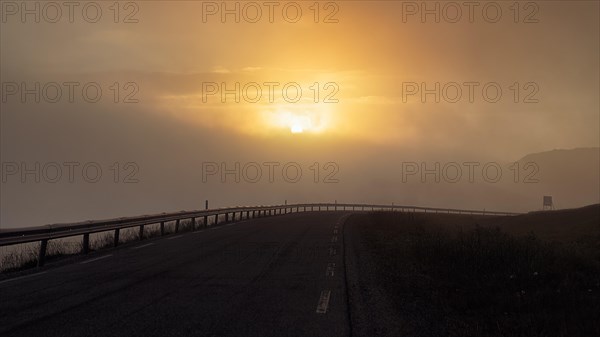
(56, 231)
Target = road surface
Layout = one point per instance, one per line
(277, 276)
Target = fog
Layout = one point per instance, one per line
(169, 142)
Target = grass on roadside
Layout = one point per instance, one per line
(483, 282)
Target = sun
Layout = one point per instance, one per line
(297, 128)
(299, 119)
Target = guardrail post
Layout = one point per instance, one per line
(205, 223)
(117, 231)
(42, 254)
(162, 228)
(176, 225)
(141, 232)
(216, 219)
(226, 217)
(193, 222)
(86, 243)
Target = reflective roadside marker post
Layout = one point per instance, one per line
(42, 254)
(206, 216)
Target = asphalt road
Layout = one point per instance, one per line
(276, 276)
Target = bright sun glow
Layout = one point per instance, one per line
(299, 120)
(296, 128)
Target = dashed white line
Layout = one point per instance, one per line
(96, 259)
(174, 237)
(334, 238)
(23, 277)
(332, 251)
(330, 269)
(323, 302)
(335, 231)
(142, 246)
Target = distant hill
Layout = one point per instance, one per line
(571, 177)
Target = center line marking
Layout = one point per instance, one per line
(332, 251)
(96, 259)
(174, 237)
(330, 269)
(23, 277)
(323, 302)
(142, 246)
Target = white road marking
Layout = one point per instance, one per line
(334, 238)
(96, 259)
(323, 302)
(23, 277)
(330, 269)
(335, 231)
(332, 251)
(142, 246)
(174, 237)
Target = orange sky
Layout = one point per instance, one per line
(364, 61)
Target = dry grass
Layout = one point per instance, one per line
(26, 256)
(452, 280)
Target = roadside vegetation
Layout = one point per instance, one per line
(454, 280)
(25, 256)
